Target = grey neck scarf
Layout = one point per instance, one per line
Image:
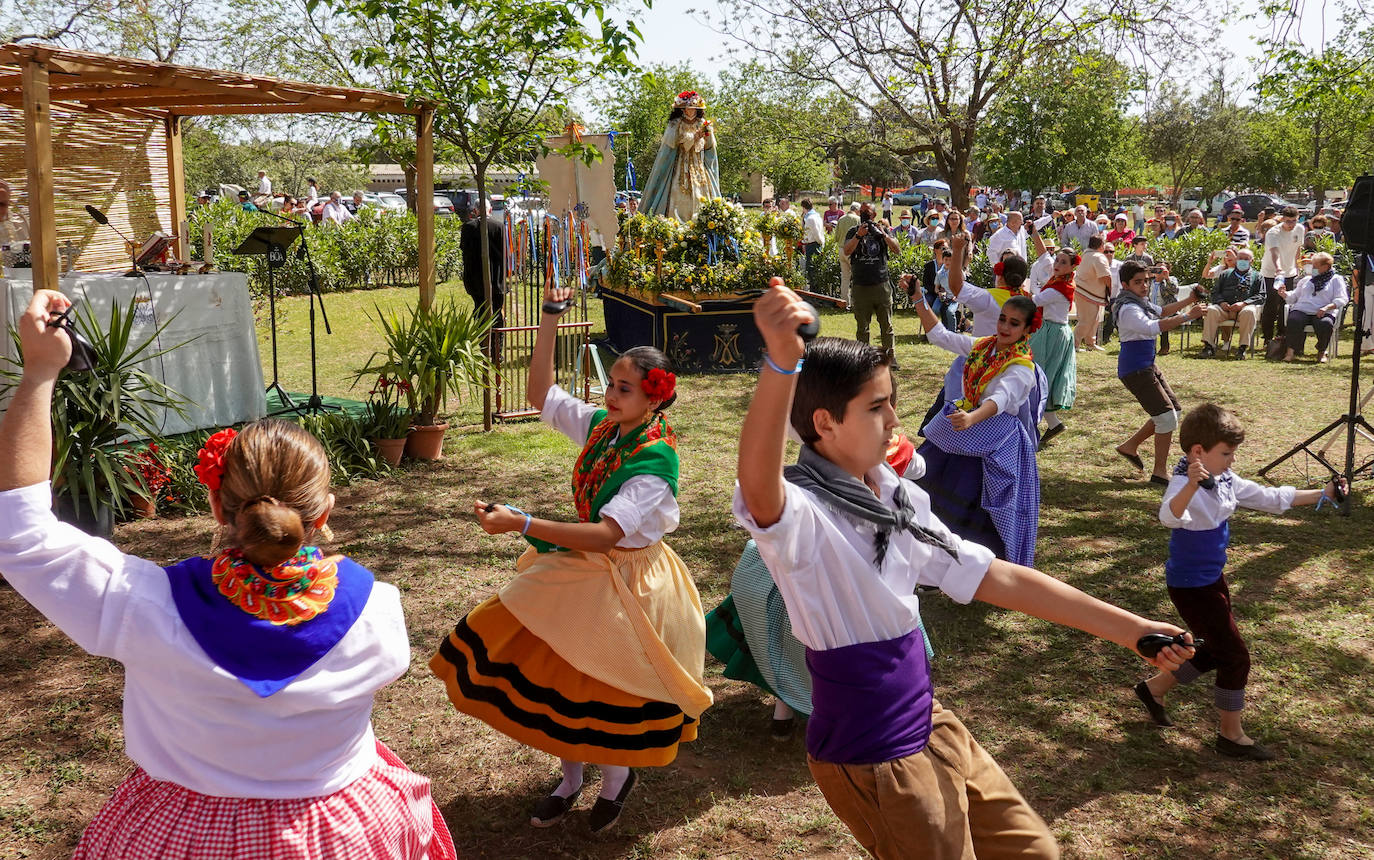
(851, 497)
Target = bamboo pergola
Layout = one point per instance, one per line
(43, 78)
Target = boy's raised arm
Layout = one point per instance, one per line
(763, 438)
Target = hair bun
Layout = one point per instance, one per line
(269, 532)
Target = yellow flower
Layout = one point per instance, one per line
(710, 225)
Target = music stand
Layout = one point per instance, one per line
(271, 243)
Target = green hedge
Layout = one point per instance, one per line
(374, 250)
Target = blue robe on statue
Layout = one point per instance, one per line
(685, 171)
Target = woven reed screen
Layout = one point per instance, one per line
(117, 164)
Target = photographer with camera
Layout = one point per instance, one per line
(867, 246)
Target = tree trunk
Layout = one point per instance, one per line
(485, 249)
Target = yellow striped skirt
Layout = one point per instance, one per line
(518, 664)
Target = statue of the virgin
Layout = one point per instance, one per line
(686, 169)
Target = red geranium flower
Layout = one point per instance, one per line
(659, 384)
(209, 467)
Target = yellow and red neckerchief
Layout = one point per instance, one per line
(985, 362)
(296, 590)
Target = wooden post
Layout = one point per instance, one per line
(176, 183)
(424, 201)
(38, 161)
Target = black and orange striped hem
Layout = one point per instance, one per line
(497, 671)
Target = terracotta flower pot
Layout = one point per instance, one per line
(391, 449)
(426, 443)
(145, 509)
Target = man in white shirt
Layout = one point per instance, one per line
(1282, 245)
(264, 184)
(1077, 232)
(813, 237)
(335, 212)
(981, 199)
(1008, 238)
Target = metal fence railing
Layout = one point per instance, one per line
(521, 312)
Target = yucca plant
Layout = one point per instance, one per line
(93, 412)
(438, 351)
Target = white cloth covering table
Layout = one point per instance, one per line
(216, 369)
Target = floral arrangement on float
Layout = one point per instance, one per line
(721, 252)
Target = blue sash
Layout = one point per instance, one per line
(264, 656)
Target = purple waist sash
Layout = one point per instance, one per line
(871, 701)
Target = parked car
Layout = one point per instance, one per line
(443, 205)
(908, 197)
(1251, 204)
(385, 201)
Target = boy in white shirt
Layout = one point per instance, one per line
(847, 542)
(1200, 518)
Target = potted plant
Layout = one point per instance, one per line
(93, 412)
(438, 352)
(387, 420)
(154, 474)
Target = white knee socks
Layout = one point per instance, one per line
(572, 779)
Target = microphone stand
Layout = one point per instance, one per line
(103, 220)
(314, 404)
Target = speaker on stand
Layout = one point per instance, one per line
(1357, 226)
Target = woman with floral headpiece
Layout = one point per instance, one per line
(594, 652)
(248, 676)
(1052, 346)
(686, 171)
(980, 450)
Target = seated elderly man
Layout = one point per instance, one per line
(1317, 302)
(335, 212)
(1237, 294)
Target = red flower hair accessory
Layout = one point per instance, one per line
(997, 268)
(1078, 259)
(686, 94)
(659, 384)
(1036, 321)
(209, 465)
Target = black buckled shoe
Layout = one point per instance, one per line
(1248, 752)
(1156, 709)
(1208, 350)
(606, 812)
(551, 809)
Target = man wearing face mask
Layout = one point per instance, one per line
(905, 232)
(1008, 238)
(1282, 244)
(1077, 232)
(1237, 294)
(1172, 229)
(1317, 302)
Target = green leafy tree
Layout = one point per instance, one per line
(1328, 94)
(1196, 140)
(1061, 124)
(498, 72)
(935, 68)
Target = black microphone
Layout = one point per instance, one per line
(103, 220)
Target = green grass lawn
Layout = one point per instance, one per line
(1052, 705)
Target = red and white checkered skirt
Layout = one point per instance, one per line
(386, 814)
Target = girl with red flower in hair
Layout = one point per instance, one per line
(249, 676)
(595, 651)
(1052, 346)
(979, 451)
